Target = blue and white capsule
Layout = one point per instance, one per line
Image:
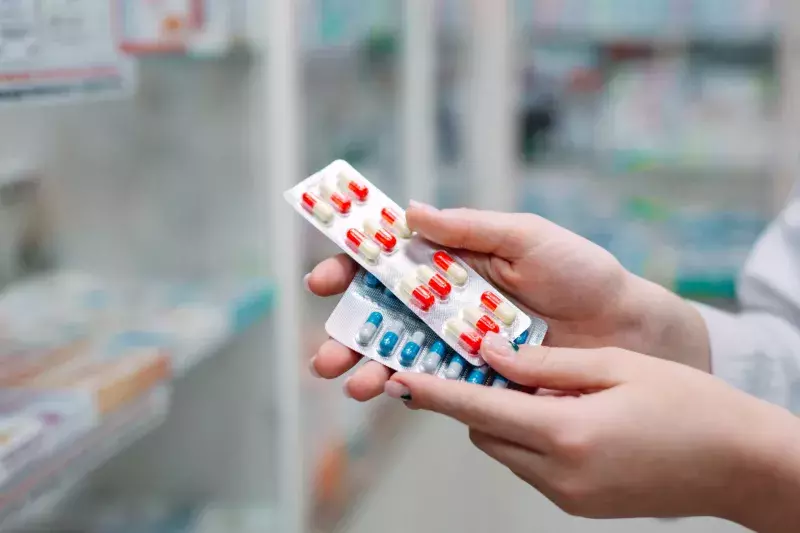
(434, 357)
(390, 297)
(411, 350)
(456, 367)
(390, 339)
(499, 382)
(523, 337)
(371, 281)
(370, 328)
(477, 375)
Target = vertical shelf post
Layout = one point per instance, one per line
(490, 112)
(281, 170)
(788, 129)
(419, 96)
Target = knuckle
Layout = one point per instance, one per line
(573, 444)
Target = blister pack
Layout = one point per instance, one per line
(444, 292)
(370, 320)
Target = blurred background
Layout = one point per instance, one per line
(154, 333)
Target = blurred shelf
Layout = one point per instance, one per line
(185, 323)
(674, 41)
(39, 488)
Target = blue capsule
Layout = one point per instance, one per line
(499, 382)
(371, 281)
(389, 341)
(456, 367)
(523, 338)
(389, 296)
(434, 357)
(369, 329)
(477, 375)
(411, 349)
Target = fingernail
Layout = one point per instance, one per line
(313, 369)
(398, 391)
(421, 206)
(498, 346)
(305, 282)
(346, 389)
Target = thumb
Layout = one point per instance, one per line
(506, 235)
(560, 369)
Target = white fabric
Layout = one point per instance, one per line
(758, 350)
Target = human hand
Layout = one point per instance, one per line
(643, 437)
(587, 298)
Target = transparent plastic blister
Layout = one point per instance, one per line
(370, 320)
(444, 292)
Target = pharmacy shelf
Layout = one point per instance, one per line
(559, 36)
(187, 322)
(37, 490)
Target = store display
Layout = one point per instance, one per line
(60, 50)
(405, 267)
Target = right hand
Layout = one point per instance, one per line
(587, 298)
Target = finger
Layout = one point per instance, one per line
(368, 382)
(332, 276)
(558, 369)
(506, 235)
(512, 415)
(333, 360)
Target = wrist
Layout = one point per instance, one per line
(768, 462)
(663, 324)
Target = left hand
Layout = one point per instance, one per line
(642, 437)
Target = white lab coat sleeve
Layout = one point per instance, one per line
(758, 349)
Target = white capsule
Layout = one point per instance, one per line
(361, 244)
(455, 368)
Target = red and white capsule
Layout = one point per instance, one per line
(455, 272)
(499, 308)
(321, 211)
(466, 336)
(395, 222)
(339, 201)
(363, 246)
(420, 295)
(435, 281)
(480, 321)
(350, 186)
(387, 241)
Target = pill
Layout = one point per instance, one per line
(395, 222)
(477, 376)
(475, 317)
(435, 281)
(348, 185)
(468, 338)
(455, 367)
(390, 297)
(321, 211)
(502, 310)
(389, 340)
(371, 281)
(420, 295)
(411, 349)
(335, 198)
(523, 338)
(434, 357)
(387, 241)
(499, 382)
(361, 244)
(450, 267)
(369, 329)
